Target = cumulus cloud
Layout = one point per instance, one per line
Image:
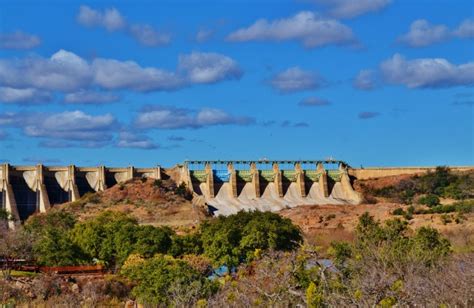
(306, 27)
(208, 67)
(427, 72)
(149, 36)
(365, 80)
(18, 40)
(314, 102)
(112, 20)
(66, 71)
(71, 128)
(204, 35)
(175, 118)
(131, 140)
(72, 125)
(351, 8)
(465, 29)
(23, 96)
(422, 33)
(114, 74)
(90, 97)
(368, 115)
(295, 79)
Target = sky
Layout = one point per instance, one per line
(145, 83)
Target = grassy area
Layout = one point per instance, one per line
(21, 274)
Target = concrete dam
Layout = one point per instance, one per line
(226, 187)
(231, 186)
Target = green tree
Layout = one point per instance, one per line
(233, 239)
(53, 245)
(164, 279)
(152, 240)
(109, 237)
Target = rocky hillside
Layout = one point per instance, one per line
(156, 202)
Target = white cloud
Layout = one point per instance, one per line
(67, 72)
(422, 33)
(112, 20)
(204, 35)
(208, 67)
(18, 40)
(64, 129)
(131, 140)
(175, 118)
(64, 71)
(465, 29)
(310, 29)
(427, 72)
(365, 80)
(314, 102)
(72, 126)
(148, 36)
(24, 96)
(295, 79)
(114, 74)
(90, 97)
(352, 8)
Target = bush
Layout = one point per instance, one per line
(111, 237)
(53, 245)
(182, 190)
(233, 239)
(429, 200)
(398, 211)
(167, 281)
(158, 183)
(441, 182)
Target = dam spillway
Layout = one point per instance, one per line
(231, 186)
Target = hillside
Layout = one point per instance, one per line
(155, 202)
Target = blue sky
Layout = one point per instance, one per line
(372, 82)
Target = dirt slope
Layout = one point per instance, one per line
(149, 201)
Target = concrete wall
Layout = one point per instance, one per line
(378, 172)
(29, 189)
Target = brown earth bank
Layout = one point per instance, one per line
(322, 224)
(154, 202)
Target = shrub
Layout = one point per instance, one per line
(111, 237)
(429, 200)
(182, 190)
(158, 183)
(167, 281)
(398, 211)
(53, 245)
(445, 219)
(233, 239)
